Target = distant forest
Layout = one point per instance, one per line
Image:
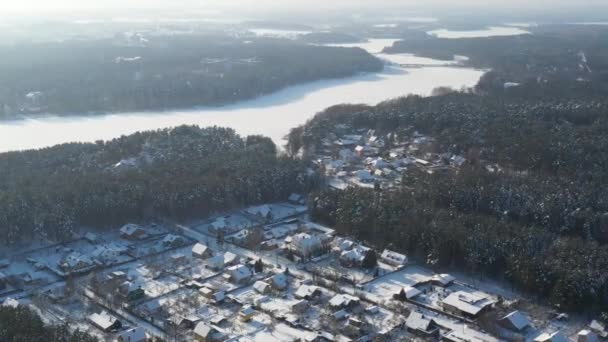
(131, 72)
(172, 173)
(542, 222)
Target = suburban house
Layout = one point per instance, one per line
(421, 325)
(586, 335)
(132, 335)
(442, 280)
(553, 337)
(208, 333)
(132, 231)
(105, 322)
(306, 245)
(279, 281)
(409, 291)
(171, 240)
(75, 262)
(343, 301)
(239, 273)
(466, 304)
(393, 258)
(247, 313)
(352, 258)
(515, 321)
(201, 251)
(220, 261)
(261, 211)
(307, 292)
(132, 290)
(262, 287)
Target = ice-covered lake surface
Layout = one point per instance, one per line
(271, 115)
(492, 31)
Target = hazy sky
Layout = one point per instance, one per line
(29, 6)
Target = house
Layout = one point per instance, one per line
(352, 258)
(306, 245)
(457, 161)
(365, 176)
(132, 335)
(177, 258)
(409, 291)
(598, 328)
(91, 237)
(171, 240)
(393, 258)
(279, 281)
(239, 273)
(207, 333)
(553, 337)
(247, 313)
(515, 321)
(132, 290)
(262, 211)
(343, 301)
(75, 262)
(296, 199)
(321, 336)
(340, 315)
(586, 335)
(307, 292)
(467, 304)
(262, 287)
(365, 151)
(105, 322)
(201, 251)
(442, 280)
(184, 322)
(220, 261)
(132, 231)
(300, 306)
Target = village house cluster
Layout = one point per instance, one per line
(265, 273)
(367, 158)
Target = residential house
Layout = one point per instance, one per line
(300, 306)
(137, 334)
(467, 304)
(307, 292)
(262, 287)
(598, 328)
(586, 335)
(201, 251)
(279, 281)
(409, 291)
(208, 333)
(307, 245)
(132, 231)
(171, 241)
(443, 280)
(220, 261)
(262, 211)
(551, 337)
(105, 322)
(515, 321)
(393, 258)
(75, 262)
(343, 301)
(365, 176)
(247, 313)
(421, 325)
(132, 290)
(10, 302)
(239, 273)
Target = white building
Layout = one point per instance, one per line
(393, 258)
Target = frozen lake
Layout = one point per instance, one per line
(272, 115)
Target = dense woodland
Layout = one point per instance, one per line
(172, 173)
(21, 324)
(555, 60)
(542, 222)
(135, 72)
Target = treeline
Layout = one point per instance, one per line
(172, 173)
(21, 324)
(541, 221)
(555, 60)
(131, 73)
